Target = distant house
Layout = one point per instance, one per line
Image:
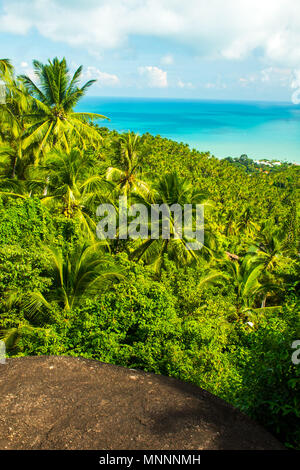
(264, 162)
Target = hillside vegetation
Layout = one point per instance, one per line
(223, 317)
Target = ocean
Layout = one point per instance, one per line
(257, 129)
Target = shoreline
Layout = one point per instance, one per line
(261, 130)
(193, 146)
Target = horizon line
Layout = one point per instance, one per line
(236, 100)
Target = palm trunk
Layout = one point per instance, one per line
(17, 156)
(264, 300)
(46, 187)
(13, 174)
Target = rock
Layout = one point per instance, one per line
(75, 403)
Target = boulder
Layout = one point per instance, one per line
(75, 403)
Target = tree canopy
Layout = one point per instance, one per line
(222, 317)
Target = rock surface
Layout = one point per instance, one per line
(74, 403)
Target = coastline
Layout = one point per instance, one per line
(261, 130)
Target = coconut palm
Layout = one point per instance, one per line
(127, 178)
(73, 187)
(85, 271)
(170, 189)
(13, 119)
(245, 278)
(272, 246)
(249, 282)
(54, 120)
(246, 222)
(5, 67)
(26, 327)
(23, 189)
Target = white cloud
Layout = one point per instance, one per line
(103, 78)
(26, 70)
(90, 73)
(182, 84)
(231, 29)
(156, 77)
(167, 59)
(210, 85)
(282, 76)
(295, 85)
(245, 81)
(217, 85)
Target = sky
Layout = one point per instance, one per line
(193, 49)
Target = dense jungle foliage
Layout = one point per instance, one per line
(223, 317)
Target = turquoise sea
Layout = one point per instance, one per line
(258, 129)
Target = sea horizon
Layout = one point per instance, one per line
(180, 98)
(225, 128)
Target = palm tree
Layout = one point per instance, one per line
(170, 189)
(13, 119)
(27, 327)
(5, 67)
(246, 222)
(73, 186)
(272, 246)
(245, 277)
(249, 282)
(22, 189)
(273, 250)
(54, 120)
(85, 271)
(126, 178)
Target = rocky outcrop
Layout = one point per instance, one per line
(74, 403)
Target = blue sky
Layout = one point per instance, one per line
(229, 50)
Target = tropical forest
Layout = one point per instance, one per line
(223, 317)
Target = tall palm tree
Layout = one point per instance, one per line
(5, 67)
(249, 283)
(22, 189)
(73, 186)
(13, 119)
(246, 222)
(127, 178)
(84, 271)
(245, 277)
(170, 189)
(273, 250)
(55, 97)
(272, 246)
(27, 327)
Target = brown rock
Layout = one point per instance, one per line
(75, 403)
